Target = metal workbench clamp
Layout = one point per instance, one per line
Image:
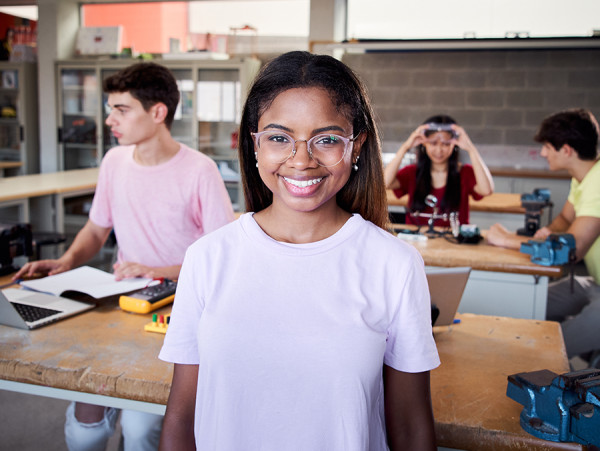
(563, 408)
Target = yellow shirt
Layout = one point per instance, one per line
(585, 197)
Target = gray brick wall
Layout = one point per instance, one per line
(499, 96)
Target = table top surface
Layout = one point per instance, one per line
(32, 185)
(439, 251)
(511, 171)
(494, 203)
(469, 388)
(106, 351)
(10, 164)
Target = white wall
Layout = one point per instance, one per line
(57, 30)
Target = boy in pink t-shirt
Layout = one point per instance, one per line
(159, 196)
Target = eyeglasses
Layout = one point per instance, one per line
(326, 149)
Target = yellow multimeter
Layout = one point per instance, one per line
(149, 298)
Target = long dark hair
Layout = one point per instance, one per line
(451, 200)
(364, 193)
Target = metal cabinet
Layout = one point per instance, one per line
(79, 104)
(207, 117)
(19, 142)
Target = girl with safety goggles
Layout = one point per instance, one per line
(439, 172)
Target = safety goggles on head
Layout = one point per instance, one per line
(434, 131)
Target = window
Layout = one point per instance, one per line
(270, 18)
(443, 19)
(203, 25)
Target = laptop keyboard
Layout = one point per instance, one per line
(31, 313)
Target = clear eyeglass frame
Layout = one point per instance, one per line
(346, 140)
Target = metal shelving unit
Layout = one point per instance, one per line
(19, 142)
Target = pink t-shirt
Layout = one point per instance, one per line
(291, 339)
(158, 211)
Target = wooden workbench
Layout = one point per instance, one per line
(503, 282)
(494, 203)
(102, 352)
(471, 409)
(542, 173)
(504, 208)
(439, 251)
(104, 356)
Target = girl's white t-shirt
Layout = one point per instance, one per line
(291, 339)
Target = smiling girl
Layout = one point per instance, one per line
(438, 171)
(304, 325)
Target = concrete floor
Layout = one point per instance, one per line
(35, 423)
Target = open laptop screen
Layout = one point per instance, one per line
(446, 287)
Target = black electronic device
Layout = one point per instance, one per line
(435, 313)
(15, 240)
(468, 234)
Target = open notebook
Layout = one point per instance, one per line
(446, 287)
(27, 309)
(85, 280)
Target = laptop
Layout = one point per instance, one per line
(28, 309)
(446, 287)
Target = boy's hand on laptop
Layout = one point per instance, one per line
(41, 268)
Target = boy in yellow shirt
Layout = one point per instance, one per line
(570, 141)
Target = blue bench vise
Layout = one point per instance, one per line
(557, 249)
(533, 204)
(563, 408)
